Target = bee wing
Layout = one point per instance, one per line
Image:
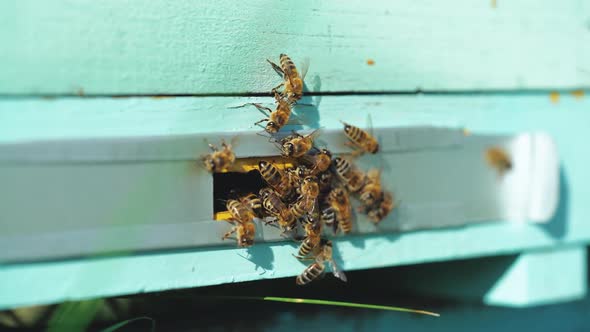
(337, 272)
(304, 67)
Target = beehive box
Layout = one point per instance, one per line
(105, 109)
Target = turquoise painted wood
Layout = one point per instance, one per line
(102, 118)
(134, 47)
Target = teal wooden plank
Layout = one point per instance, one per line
(24, 120)
(133, 47)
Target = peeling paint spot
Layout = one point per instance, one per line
(370, 62)
(554, 97)
(80, 92)
(578, 94)
(466, 132)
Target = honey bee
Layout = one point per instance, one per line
(253, 202)
(319, 162)
(382, 209)
(242, 219)
(275, 178)
(303, 205)
(219, 160)
(328, 217)
(293, 81)
(352, 177)
(277, 119)
(340, 204)
(371, 191)
(325, 182)
(498, 159)
(297, 145)
(272, 203)
(309, 187)
(313, 232)
(360, 139)
(296, 175)
(323, 254)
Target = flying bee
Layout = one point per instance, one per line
(371, 191)
(272, 203)
(297, 145)
(253, 202)
(219, 160)
(275, 178)
(382, 209)
(498, 159)
(340, 203)
(293, 81)
(313, 232)
(323, 254)
(320, 162)
(242, 219)
(353, 178)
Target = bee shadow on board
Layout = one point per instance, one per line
(262, 256)
(306, 111)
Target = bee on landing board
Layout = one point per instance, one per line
(293, 81)
(319, 162)
(360, 140)
(219, 160)
(323, 254)
(275, 178)
(274, 206)
(306, 203)
(297, 145)
(347, 173)
(277, 119)
(340, 205)
(371, 191)
(381, 208)
(498, 159)
(313, 232)
(242, 218)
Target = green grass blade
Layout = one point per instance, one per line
(129, 321)
(348, 304)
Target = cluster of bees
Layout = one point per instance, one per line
(314, 193)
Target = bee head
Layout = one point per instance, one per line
(246, 242)
(271, 127)
(326, 152)
(262, 164)
(325, 177)
(288, 148)
(310, 179)
(347, 128)
(375, 149)
(210, 164)
(301, 170)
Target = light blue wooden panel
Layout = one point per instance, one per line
(200, 47)
(23, 121)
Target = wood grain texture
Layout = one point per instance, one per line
(198, 47)
(26, 120)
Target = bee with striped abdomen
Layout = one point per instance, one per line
(242, 218)
(340, 204)
(253, 202)
(274, 206)
(382, 208)
(313, 232)
(275, 178)
(297, 145)
(293, 81)
(361, 140)
(323, 254)
(219, 160)
(352, 177)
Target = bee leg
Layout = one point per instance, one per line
(276, 68)
(303, 258)
(212, 147)
(261, 121)
(227, 235)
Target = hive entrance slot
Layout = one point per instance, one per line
(241, 179)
